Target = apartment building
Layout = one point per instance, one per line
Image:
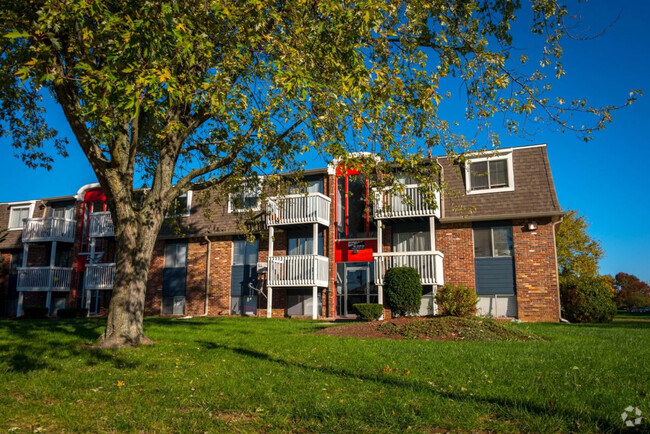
(319, 251)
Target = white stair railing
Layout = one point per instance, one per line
(298, 209)
(101, 225)
(44, 279)
(409, 203)
(49, 229)
(99, 276)
(298, 270)
(428, 265)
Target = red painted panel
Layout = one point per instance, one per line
(94, 196)
(344, 251)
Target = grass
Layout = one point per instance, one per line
(252, 374)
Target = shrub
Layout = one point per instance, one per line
(403, 290)
(369, 311)
(456, 300)
(72, 312)
(35, 312)
(587, 299)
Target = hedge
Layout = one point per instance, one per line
(369, 311)
(403, 290)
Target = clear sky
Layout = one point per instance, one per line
(607, 179)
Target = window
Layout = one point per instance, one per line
(63, 212)
(243, 275)
(174, 278)
(491, 174)
(301, 242)
(307, 185)
(490, 242)
(409, 237)
(181, 206)
(245, 200)
(18, 214)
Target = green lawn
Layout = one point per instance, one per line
(255, 374)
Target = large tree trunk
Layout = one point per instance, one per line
(134, 248)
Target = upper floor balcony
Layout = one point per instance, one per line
(49, 229)
(99, 276)
(298, 270)
(428, 265)
(44, 279)
(295, 209)
(409, 203)
(101, 225)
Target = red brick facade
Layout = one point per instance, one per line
(534, 253)
(456, 242)
(535, 271)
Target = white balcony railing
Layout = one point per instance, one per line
(298, 270)
(298, 209)
(101, 225)
(49, 229)
(99, 276)
(428, 264)
(44, 279)
(409, 203)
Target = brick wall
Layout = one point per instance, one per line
(197, 260)
(220, 262)
(535, 271)
(329, 295)
(153, 297)
(456, 242)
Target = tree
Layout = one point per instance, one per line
(578, 253)
(632, 291)
(204, 94)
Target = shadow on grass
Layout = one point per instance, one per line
(30, 345)
(400, 384)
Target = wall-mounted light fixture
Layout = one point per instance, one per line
(532, 226)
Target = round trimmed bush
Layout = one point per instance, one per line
(369, 311)
(403, 290)
(587, 299)
(72, 312)
(456, 300)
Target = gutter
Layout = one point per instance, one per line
(502, 217)
(557, 271)
(207, 275)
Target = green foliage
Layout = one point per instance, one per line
(456, 300)
(403, 290)
(72, 312)
(206, 94)
(587, 299)
(35, 311)
(578, 253)
(369, 311)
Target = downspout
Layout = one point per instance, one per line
(557, 271)
(207, 275)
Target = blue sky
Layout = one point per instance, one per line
(607, 179)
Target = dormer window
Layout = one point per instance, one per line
(247, 199)
(181, 206)
(18, 214)
(490, 174)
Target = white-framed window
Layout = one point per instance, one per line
(492, 242)
(247, 199)
(490, 174)
(18, 213)
(181, 206)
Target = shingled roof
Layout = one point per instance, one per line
(533, 195)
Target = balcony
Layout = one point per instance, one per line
(49, 229)
(428, 264)
(409, 203)
(298, 209)
(298, 270)
(101, 225)
(44, 279)
(99, 276)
